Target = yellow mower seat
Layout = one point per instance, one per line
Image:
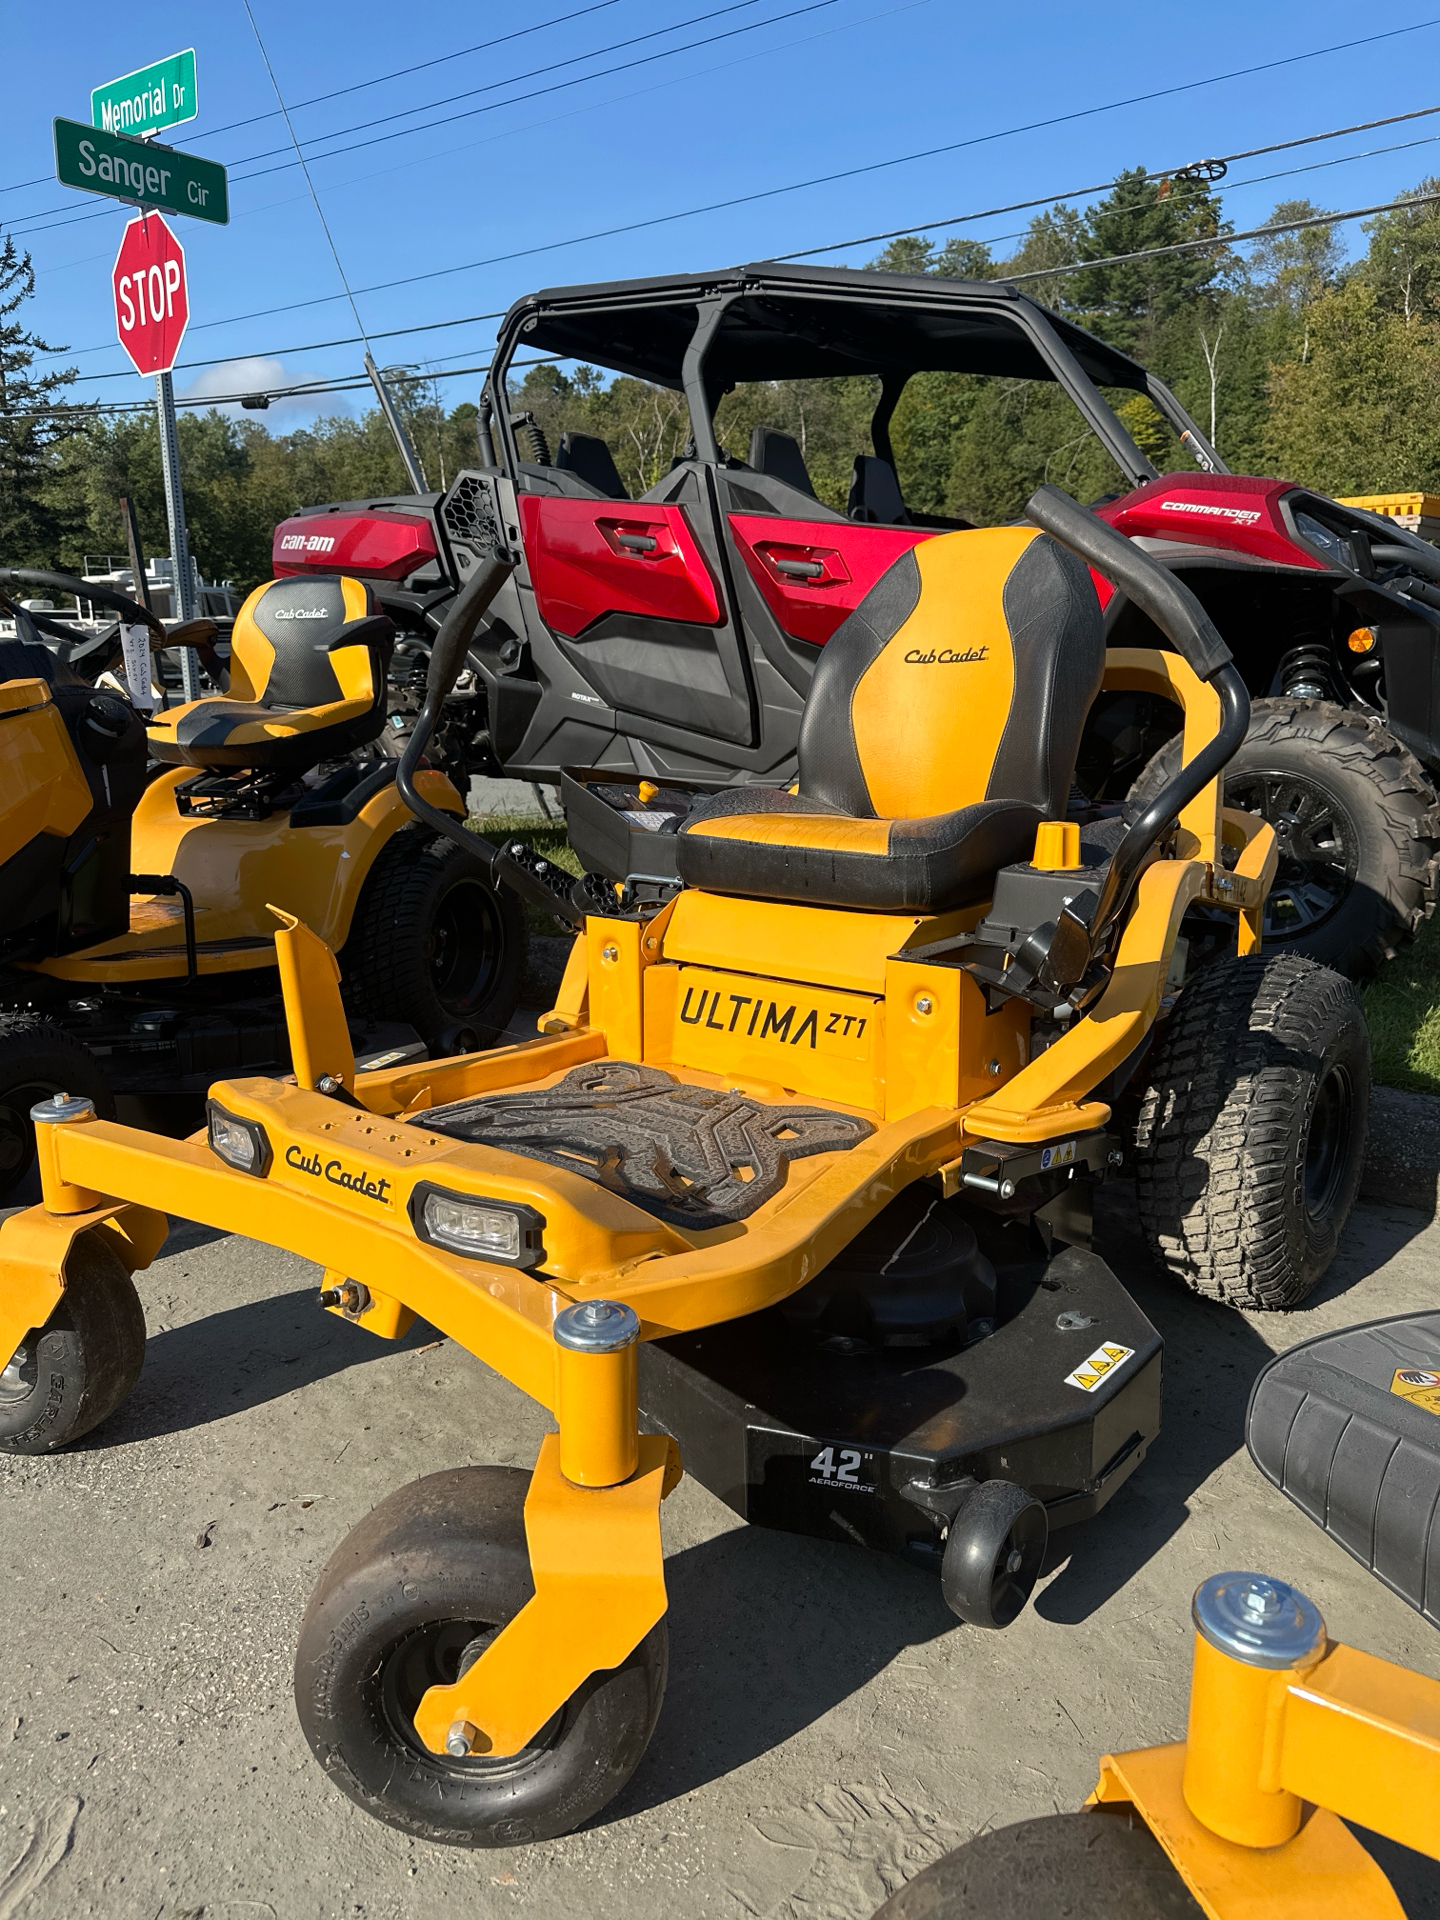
(308, 659)
(940, 729)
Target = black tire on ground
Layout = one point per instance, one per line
(1251, 1137)
(1358, 825)
(38, 1059)
(68, 1376)
(437, 1568)
(434, 942)
(993, 1553)
(1084, 1866)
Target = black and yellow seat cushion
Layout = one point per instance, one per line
(308, 659)
(941, 728)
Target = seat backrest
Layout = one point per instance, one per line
(590, 459)
(779, 455)
(309, 641)
(875, 494)
(965, 674)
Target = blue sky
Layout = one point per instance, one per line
(797, 94)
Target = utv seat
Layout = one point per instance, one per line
(941, 728)
(875, 495)
(779, 455)
(308, 659)
(590, 459)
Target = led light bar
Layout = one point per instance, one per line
(241, 1144)
(506, 1231)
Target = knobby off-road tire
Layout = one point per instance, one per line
(1082, 1866)
(408, 1601)
(68, 1376)
(1251, 1137)
(1358, 825)
(435, 943)
(38, 1059)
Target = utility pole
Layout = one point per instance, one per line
(184, 588)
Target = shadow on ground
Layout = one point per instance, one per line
(243, 1357)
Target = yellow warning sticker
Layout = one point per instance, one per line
(1101, 1364)
(1419, 1386)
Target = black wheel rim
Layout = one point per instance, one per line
(17, 1131)
(466, 947)
(1318, 845)
(1327, 1142)
(435, 1655)
(1017, 1565)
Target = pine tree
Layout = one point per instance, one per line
(28, 425)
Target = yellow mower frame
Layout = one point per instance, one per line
(901, 1041)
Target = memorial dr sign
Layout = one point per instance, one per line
(152, 307)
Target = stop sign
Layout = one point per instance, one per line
(152, 309)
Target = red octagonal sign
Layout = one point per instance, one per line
(152, 308)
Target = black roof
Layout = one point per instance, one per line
(787, 322)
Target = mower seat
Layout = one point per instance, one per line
(940, 729)
(308, 659)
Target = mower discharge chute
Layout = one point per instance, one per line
(796, 1176)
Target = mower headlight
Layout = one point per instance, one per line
(241, 1144)
(503, 1230)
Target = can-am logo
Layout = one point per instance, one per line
(307, 543)
(301, 613)
(1243, 516)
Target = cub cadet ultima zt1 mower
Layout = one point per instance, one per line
(137, 954)
(792, 1189)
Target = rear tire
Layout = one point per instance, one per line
(435, 943)
(437, 1567)
(69, 1375)
(38, 1059)
(1251, 1137)
(1358, 826)
(1082, 1866)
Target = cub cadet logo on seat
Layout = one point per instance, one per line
(337, 1174)
(301, 613)
(946, 657)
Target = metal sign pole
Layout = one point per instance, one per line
(184, 588)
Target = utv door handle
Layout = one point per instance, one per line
(637, 542)
(799, 569)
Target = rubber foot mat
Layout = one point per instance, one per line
(691, 1156)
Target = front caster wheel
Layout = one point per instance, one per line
(993, 1553)
(408, 1601)
(67, 1376)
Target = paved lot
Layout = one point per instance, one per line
(829, 1727)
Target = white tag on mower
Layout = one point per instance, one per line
(135, 644)
(1102, 1363)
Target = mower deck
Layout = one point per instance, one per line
(845, 1441)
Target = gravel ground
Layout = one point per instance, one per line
(829, 1729)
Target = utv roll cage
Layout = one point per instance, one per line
(702, 334)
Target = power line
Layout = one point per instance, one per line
(553, 66)
(1225, 239)
(1104, 186)
(310, 346)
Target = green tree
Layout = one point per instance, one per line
(30, 427)
(1130, 301)
(1403, 260)
(1289, 271)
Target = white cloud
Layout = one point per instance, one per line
(255, 375)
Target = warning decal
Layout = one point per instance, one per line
(1101, 1364)
(1419, 1386)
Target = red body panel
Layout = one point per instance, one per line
(386, 546)
(1212, 510)
(582, 567)
(852, 559)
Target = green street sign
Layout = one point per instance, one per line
(145, 175)
(160, 95)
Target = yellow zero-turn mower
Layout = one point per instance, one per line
(139, 860)
(792, 1188)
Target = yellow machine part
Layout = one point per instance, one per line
(43, 788)
(235, 869)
